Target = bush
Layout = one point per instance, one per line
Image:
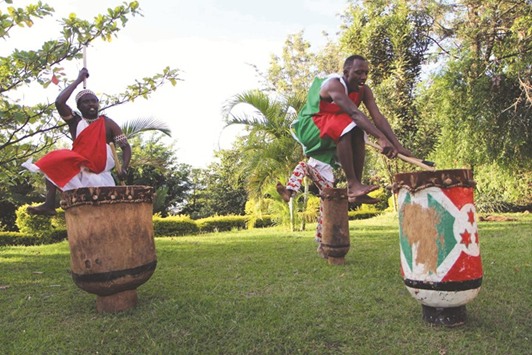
(313, 207)
(58, 221)
(40, 226)
(382, 195)
(362, 214)
(18, 238)
(262, 222)
(222, 223)
(174, 226)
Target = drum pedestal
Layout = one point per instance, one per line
(335, 240)
(117, 302)
(451, 317)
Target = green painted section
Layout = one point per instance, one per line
(406, 248)
(446, 240)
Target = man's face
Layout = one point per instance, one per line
(88, 105)
(357, 73)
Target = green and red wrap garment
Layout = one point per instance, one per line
(320, 123)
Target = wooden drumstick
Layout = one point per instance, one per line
(416, 161)
(118, 166)
(85, 65)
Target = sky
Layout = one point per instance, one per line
(212, 43)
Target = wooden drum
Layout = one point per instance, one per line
(439, 242)
(112, 250)
(335, 233)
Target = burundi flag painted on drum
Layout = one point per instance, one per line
(438, 236)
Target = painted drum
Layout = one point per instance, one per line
(110, 234)
(438, 236)
(335, 233)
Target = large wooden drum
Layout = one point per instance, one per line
(335, 231)
(112, 250)
(440, 254)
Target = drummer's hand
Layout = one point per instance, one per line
(387, 148)
(83, 74)
(122, 174)
(404, 151)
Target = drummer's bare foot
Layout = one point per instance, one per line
(41, 210)
(356, 190)
(366, 199)
(285, 193)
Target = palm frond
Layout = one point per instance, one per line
(136, 126)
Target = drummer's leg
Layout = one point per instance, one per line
(294, 182)
(48, 207)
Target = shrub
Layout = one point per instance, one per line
(19, 238)
(261, 222)
(362, 214)
(174, 226)
(311, 212)
(58, 221)
(222, 223)
(34, 225)
(382, 195)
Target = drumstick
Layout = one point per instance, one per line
(118, 166)
(427, 165)
(85, 65)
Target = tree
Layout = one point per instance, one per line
(219, 189)
(268, 152)
(481, 97)
(394, 37)
(292, 73)
(154, 164)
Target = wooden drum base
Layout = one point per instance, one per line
(117, 302)
(450, 317)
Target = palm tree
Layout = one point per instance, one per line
(140, 125)
(134, 128)
(269, 151)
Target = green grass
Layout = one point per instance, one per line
(267, 292)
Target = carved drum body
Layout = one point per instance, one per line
(439, 242)
(335, 233)
(110, 234)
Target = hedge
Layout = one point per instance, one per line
(352, 215)
(174, 226)
(222, 223)
(19, 238)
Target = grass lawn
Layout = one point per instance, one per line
(267, 292)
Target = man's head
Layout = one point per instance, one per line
(356, 70)
(87, 103)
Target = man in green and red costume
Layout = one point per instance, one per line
(331, 128)
(89, 162)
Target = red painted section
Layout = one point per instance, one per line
(459, 195)
(465, 268)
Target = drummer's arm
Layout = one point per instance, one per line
(121, 140)
(64, 110)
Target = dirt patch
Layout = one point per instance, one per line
(491, 218)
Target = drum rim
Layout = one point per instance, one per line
(103, 195)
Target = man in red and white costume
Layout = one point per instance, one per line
(89, 162)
